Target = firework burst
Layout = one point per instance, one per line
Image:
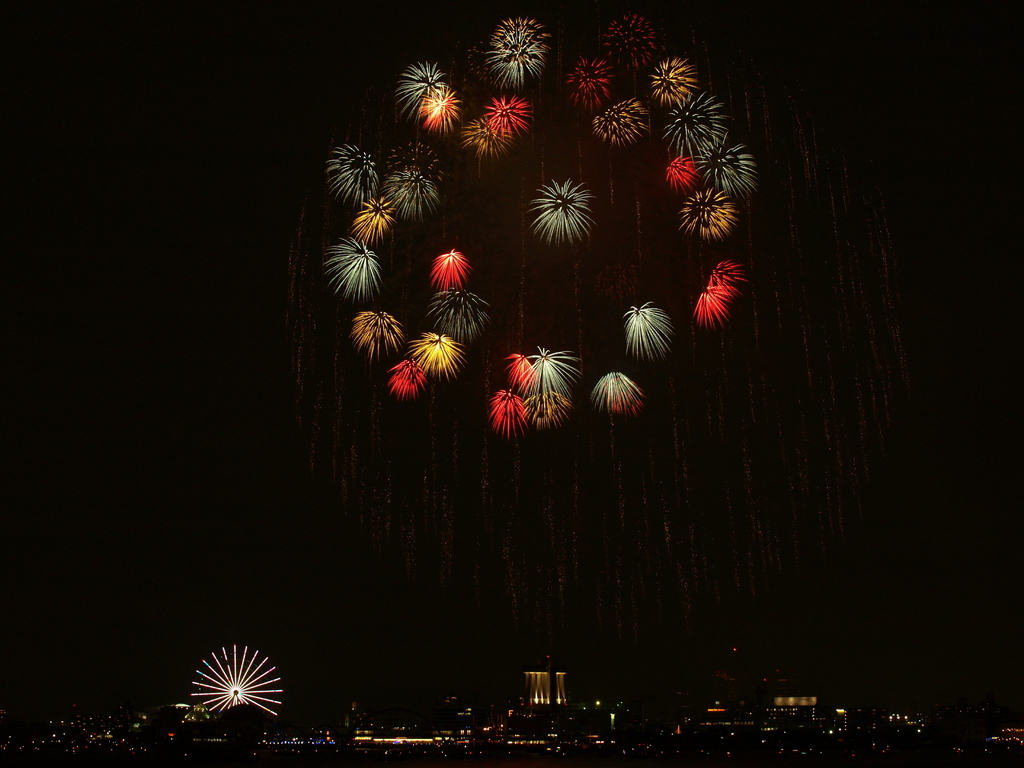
(563, 212)
(509, 115)
(649, 332)
(622, 123)
(591, 81)
(752, 441)
(672, 81)
(730, 169)
(714, 303)
(506, 413)
(351, 174)
(683, 175)
(406, 380)
(376, 332)
(437, 354)
(547, 409)
(617, 394)
(416, 83)
(449, 270)
(440, 110)
(374, 220)
(481, 136)
(630, 41)
(415, 156)
(412, 194)
(521, 375)
(352, 270)
(696, 125)
(553, 372)
(459, 314)
(709, 214)
(517, 51)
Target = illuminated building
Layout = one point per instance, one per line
(792, 712)
(452, 721)
(545, 685)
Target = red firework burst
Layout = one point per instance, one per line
(631, 41)
(509, 115)
(592, 78)
(450, 270)
(683, 175)
(507, 413)
(407, 380)
(713, 304)
(728, 273)
(521, 374)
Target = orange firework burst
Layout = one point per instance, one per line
(440, 110)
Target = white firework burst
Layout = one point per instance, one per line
(230, 681)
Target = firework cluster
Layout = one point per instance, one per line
(545, 295)
(710, 175)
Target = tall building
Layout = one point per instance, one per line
(545, 684)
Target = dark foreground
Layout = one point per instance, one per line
(912, 758)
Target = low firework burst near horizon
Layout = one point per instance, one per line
(714, 478)
(230, 681)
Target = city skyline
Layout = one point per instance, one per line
(160, 500)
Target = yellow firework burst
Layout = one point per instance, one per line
(710, 215)
(376, 332)
(374, 220)
(622, 123)
(480, 136)
(673, 80)
(548, 409)
(437, 354)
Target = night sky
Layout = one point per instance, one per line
(158, 497)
